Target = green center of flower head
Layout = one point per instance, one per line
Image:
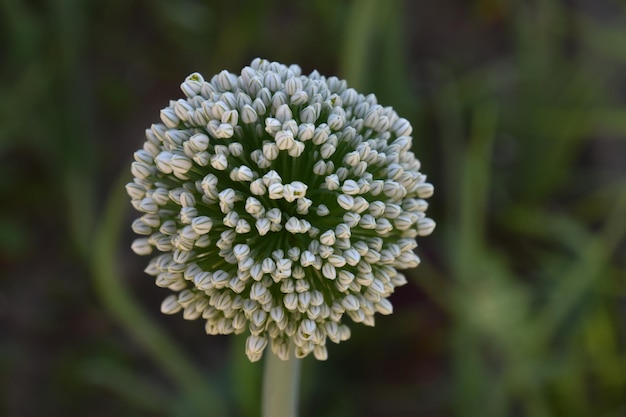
(280, 203)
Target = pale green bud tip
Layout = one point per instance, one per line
(280, 204)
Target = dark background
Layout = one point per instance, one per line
(519, 115)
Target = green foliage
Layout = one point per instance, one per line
(519, 112)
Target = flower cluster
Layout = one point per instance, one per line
(280, 203)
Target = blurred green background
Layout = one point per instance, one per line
(519, 114)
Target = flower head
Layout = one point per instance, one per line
(280, 203)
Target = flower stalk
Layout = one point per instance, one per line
(281, 385)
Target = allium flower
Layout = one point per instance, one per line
(280, 203)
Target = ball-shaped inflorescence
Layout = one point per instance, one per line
(279, 203)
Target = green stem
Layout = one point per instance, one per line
(280, 386)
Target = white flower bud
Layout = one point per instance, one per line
(272, 81)
(319, 168)
(219, 162)
(402, 127)
(241, 251)
(199, 142)
(296, 150)
(274, 215)
(322, 210)
(141, 228)
(351, 219)
(230, 117)
(327, 150)
(425, 226)
(360, 205)
(144, 156)
(328, 237)
(187, 214)
(180, 165)
(304, 299)
(307, 328)
(290, 301)
(308, 114)
(349, 96)
(350, 303)
(295, 190)
(329, 271)
(302, 205)
(307, 258)
(336, 121)
(272, 125)
(344, 332)
(321, 134)
(342, 231)
(141, 246)
(253, 206)
(372, 118)
(292, 85)
(383, 226)
(169, 118)
(271, 150)
(257, 187)
(242, 226)
(350, 187)
(226, 81)
(367, 222)
(352, 256)
(135, 191)
(284, 139)
(295, 225)
(255, 345)
(271, 177)
(320, 353)
(275, 191)
(163, 162)
(263, 226)
(425, 190)
(403, 222)
(152, 220)
(148, 205)
(332, 182)
(392, 211)
(170, 305)
(306, 131)
(182, 109)
(346, 202)
(283, 113)
(187, 199)
(192, 85)
(224, 131)
(245, 174)
(259, 106)
(248, 114)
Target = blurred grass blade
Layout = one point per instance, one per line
(474, 192)
(120, 303)
(139, 391)
(360, 26)
(578, 280)
(468, 259)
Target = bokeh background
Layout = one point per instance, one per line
(519, 115)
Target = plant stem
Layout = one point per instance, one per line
(280, 386)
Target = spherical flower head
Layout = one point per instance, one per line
(278, 204)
